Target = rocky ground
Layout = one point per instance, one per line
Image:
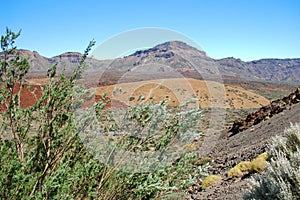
(228, 149)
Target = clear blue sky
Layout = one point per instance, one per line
(246, 29)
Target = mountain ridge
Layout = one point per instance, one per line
(177, 57)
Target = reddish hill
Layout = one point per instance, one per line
(28, 95)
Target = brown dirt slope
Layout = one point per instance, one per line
(179, 90)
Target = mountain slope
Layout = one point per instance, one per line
(244, 146)
(285, 70)
(174, 59)
(178, 57)
(66, 61)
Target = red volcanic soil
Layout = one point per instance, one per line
(29, 95)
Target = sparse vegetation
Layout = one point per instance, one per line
(274, 94)
(56, 149)
(44, 155)
(131, 98)
(282, 178)
(204, 161)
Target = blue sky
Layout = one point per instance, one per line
(246, 29)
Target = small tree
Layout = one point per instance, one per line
(41, 153)
(44, 156)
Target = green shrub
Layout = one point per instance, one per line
(45, 152)
(203, 161)
(282, 177)
(131, 98)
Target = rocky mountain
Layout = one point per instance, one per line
(175, 59)
(284, 70)
(66, 61)
(183, 58)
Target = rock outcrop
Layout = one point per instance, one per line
(265, 112)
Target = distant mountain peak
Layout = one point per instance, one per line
(28, 53)
(168, 47)
(230, 59)
(172, 45)
(69, 55)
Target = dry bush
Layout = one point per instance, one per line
(282, 177)
(210, 180)
(257, 164)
